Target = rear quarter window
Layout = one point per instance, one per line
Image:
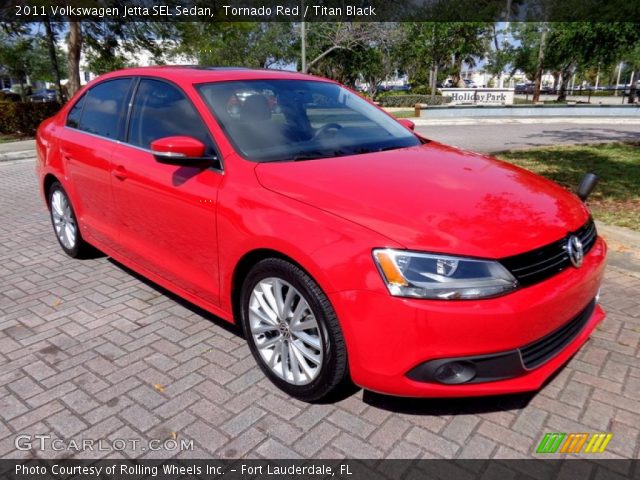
(73, 118)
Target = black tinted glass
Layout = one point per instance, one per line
(270, 120)
(103, 108)
(162, 110)
(73, 119)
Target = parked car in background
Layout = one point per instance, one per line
(523, 88)
(43, 95)
(347, 246)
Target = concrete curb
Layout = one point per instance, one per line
(20, 155)
(525, 121)
(624, 248)
(622, 235)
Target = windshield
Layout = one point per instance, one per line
(271, 120)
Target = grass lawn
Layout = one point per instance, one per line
(11, 138)
(616, 199)
(404, 114)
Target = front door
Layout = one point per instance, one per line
(167, 213)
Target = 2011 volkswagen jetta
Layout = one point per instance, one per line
(348, 247)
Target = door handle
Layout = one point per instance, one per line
(120, 172)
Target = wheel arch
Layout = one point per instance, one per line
(244, 266)
(49, 179)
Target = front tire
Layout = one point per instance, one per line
(65, 223)
(293, 331)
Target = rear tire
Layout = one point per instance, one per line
(293, 331)
(65, 223)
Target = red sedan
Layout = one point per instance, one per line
(349, 248)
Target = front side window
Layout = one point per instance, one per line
(104, 108)
(271, 120)
(162, 110)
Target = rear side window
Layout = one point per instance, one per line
(162, 110)
(73, 119)
(103, 108)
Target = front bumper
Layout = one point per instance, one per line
(389, 337)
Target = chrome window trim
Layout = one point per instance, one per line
(130, 145)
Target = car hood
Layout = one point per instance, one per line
(434, 198)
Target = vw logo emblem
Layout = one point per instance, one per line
(575, 251)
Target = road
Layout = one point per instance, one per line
(506, 136)
(89, 350)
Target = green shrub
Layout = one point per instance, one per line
(9, 97)
(422, 90)
(23, 118)
(411, 100)
(393, 93)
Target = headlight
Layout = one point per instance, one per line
(423, 275)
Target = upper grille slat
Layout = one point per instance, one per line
(544, 262)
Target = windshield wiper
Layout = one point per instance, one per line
(307, 156)
(317, 154)
(373, 150)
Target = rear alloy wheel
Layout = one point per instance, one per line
(65, 224)
(292, 330)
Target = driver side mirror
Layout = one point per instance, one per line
(405, 122)
(179, 150)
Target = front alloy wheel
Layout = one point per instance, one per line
(292, 330)
(285, 331)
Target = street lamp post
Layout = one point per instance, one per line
(615, 92)
(303, 43)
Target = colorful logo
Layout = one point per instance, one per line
(574, 443)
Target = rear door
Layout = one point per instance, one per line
(167, 213)
(93, 127)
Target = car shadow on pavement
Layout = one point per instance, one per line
(447, 406)
(230, 327)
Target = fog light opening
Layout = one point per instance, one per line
(453, 373)
(598, 296)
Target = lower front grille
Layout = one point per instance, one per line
(538, 352)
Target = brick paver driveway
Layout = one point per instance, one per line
(90, 351)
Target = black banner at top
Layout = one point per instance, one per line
(321, 10)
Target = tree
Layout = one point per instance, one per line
(372, 61)
(427, 51)
(74, 44)
(53, 56)
(110, 45)
(499, 56)
(15, 58)
(524, 55)
(581, 45)
(248, 44)
(324, 38)
(468, 41)
(380, 60)
(540, 63)
(632, 59)
(435, 47)
(25, 56)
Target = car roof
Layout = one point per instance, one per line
(193, 74)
